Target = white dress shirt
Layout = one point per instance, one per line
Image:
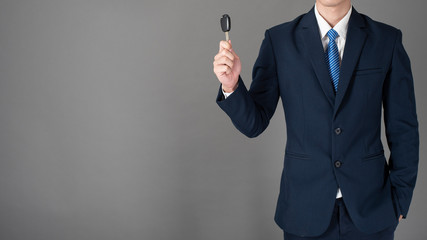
(341, 28)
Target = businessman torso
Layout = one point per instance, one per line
(334, 140)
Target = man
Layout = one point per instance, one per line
(336, 182)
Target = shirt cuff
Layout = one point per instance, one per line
(226, 95)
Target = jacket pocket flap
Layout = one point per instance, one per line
(367, 71)
(374, 155)
(296, 155)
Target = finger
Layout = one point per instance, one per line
(224, 61)
(222, 69)
(224, 53)
(224, 45)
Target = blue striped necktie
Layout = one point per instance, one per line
(333, 59)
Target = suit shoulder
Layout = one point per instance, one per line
(286, 26)
(380, 27)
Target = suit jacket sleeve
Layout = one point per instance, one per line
(251, 111)
(401, 127)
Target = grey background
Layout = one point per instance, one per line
(109, 127)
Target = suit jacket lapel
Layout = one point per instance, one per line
(311, 37)
(355, 40)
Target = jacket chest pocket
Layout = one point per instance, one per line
(367, 71)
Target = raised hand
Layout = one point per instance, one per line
(227, 66)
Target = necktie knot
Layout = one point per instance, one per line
(332, 34)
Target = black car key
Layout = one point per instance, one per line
(226, 25)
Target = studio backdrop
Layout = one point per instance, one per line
(109, 127)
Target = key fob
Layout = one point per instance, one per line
(225, 23)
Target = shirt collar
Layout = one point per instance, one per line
(341, 27)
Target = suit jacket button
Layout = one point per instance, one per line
(337, 131)
(338, 164)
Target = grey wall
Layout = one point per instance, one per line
(109, 128)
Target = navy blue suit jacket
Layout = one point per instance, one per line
(334, 140)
